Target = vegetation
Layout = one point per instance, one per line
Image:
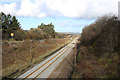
(29, 46)
(11, 25)
(48, 29)
(98, 50)
(22, 55)
(103, 35)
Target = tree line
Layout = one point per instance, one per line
(10, 24)
(103, 36)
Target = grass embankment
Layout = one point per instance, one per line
(91, 66)
(98, 50)
(16, 58)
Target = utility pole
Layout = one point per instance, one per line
(32, 52)
(75, 52)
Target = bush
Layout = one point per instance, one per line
(19, 35)
(103, 35)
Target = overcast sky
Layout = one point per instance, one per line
(66, 15)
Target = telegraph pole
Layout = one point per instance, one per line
(75, 52)
(32, 52)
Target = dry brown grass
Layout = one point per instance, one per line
(92, 66)
(18, 57)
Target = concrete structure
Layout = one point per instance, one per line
(119, 10)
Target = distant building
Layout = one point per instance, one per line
(119, 10)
